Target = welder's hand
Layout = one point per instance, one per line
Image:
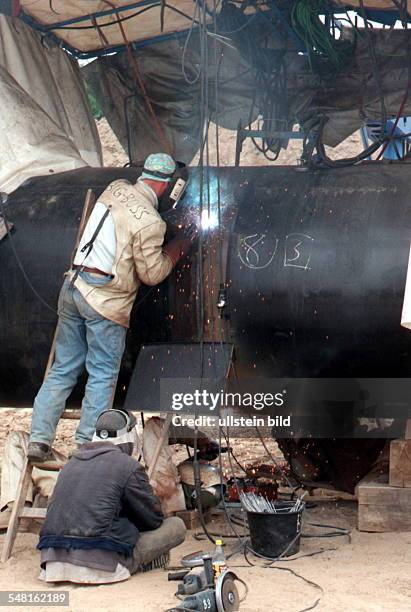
(181, 245)
(207, 449)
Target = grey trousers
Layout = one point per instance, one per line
(153, 544)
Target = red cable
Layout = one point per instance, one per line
(133, 60)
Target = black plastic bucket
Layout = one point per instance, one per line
(275, 535)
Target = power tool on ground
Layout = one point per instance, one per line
(198, 591)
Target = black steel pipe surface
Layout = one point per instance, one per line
(315, 269)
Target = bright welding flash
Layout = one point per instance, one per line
(209, 220)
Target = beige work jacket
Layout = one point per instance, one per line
(139, 257)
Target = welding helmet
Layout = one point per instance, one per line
(212, 484)
(117, 426)
(162, 167)
(176, 188)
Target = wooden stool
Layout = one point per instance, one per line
(19, 510)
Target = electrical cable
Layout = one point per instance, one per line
(200, 292)
(20, 264)
(319, 39)
(383, 113)
(274, 461)
(168, 148)
(288, 569)
(401, 108)
(185, 47)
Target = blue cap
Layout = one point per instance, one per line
(159, 167)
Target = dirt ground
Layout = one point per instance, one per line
(370, 573)
(114, 154)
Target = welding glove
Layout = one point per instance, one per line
(181, 245)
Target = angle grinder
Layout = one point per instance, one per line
(203, 594)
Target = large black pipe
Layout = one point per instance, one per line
(316, 269)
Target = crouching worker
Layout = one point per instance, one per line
(104, 522)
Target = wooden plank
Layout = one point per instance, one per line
(33, 513)
(191, 518)
(160, 443)
(5, 229)
(382, 508)
(11, 533)
(400, 463)
(381, 494)
(89, 202)
(51, 466)
(71, 414)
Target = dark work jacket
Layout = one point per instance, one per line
(102, 499)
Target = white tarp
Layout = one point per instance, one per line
(45, 121)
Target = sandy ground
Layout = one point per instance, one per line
(114, 154)
(369, 573)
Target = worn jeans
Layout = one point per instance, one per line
(84, 339)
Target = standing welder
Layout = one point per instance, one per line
(121, 247)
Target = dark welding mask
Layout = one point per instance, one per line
(176, 188)
(117, 426)
(176, 182)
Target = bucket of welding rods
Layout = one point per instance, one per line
(275, 526)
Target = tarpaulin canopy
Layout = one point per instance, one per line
(381, 11)
(92, 25)
(170, 74)
(346, 101)
(45, 120)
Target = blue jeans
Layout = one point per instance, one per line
(84, 339)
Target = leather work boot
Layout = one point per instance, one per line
(160, 562)
(38, 452)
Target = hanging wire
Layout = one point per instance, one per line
(168, 148)
(200, 272)
(18, 260)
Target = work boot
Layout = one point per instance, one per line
(38, 452)
(160, 562)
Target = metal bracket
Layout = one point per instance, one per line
(243, 133)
